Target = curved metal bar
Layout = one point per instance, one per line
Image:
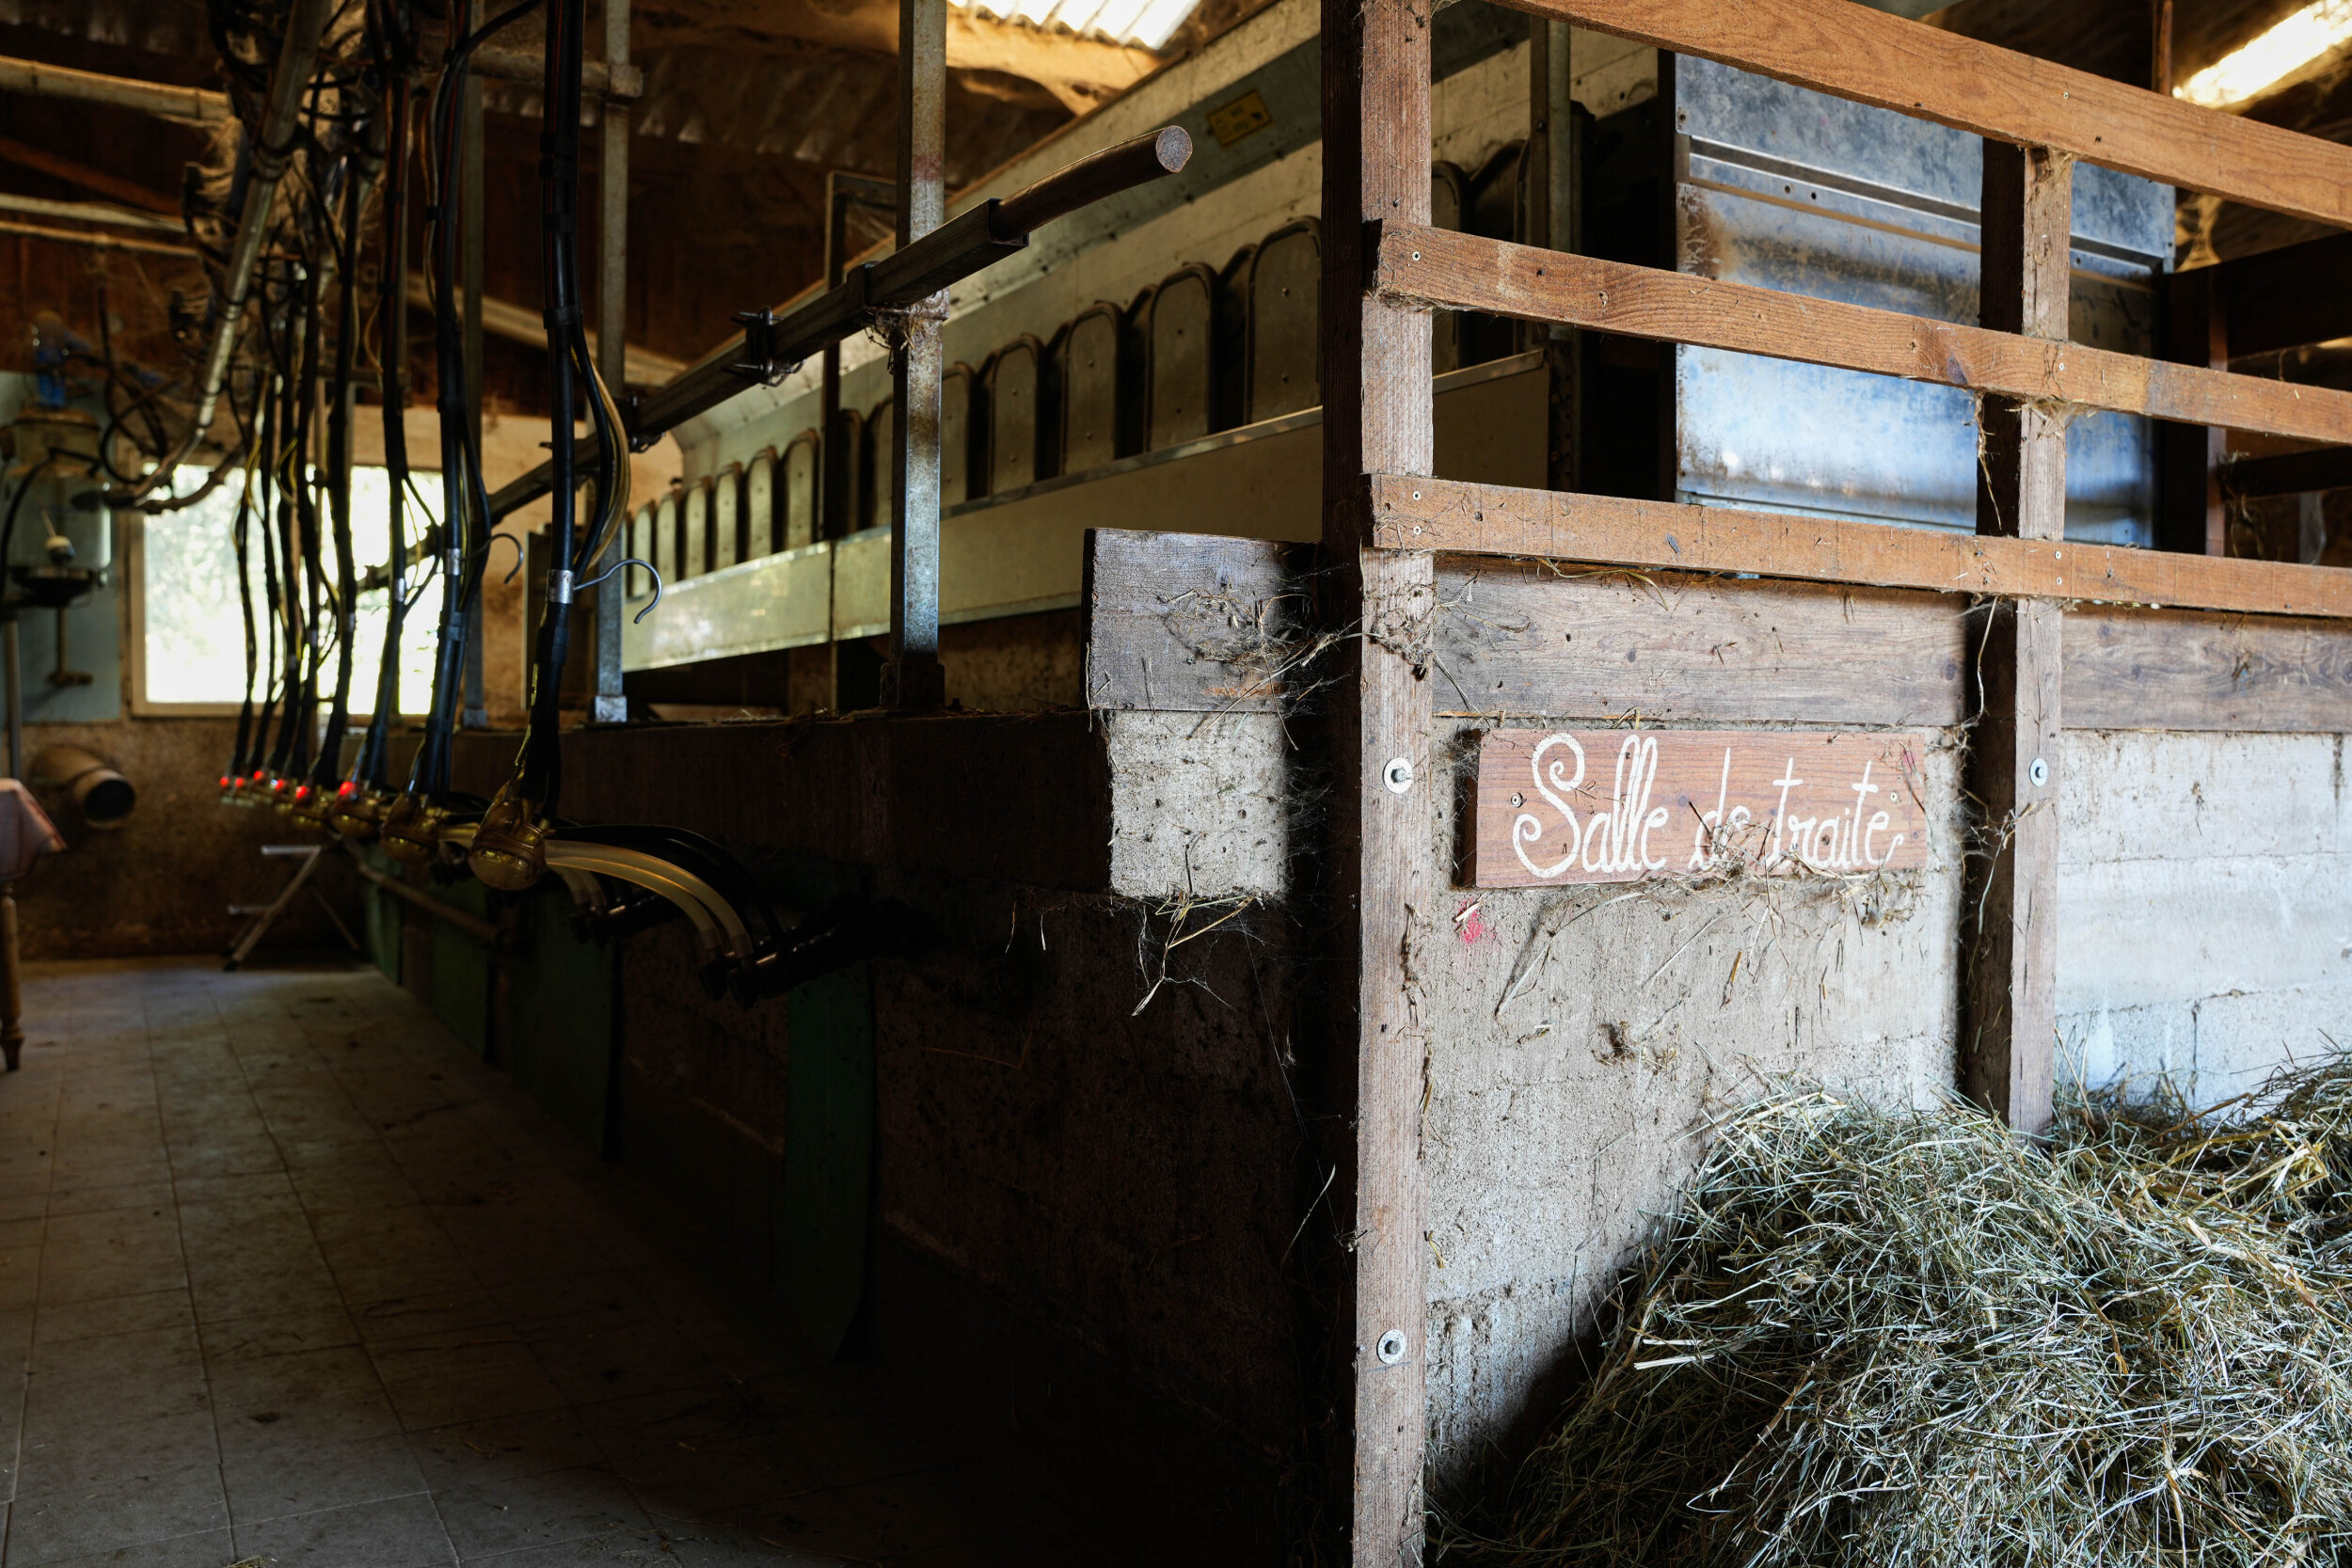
(710, 913)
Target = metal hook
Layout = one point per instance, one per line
(518, 556)
(651, 570)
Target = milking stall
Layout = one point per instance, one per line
(1134, 781)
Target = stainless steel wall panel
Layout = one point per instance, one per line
(1793, 190)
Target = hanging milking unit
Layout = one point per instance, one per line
(384, 104)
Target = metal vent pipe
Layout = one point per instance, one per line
(298, 57)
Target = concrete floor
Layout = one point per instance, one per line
(288, 1278)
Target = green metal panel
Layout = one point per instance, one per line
(461, 968)
(560, 1017)
(820, 1225)
(383, 917)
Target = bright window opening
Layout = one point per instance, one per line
(190, 597)
(2315, 31)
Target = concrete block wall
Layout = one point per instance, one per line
(2205, 907)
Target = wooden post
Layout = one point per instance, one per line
(914, 680)
(2009, 1020)
(610, 704)
(1378, 417)
(1554, 176)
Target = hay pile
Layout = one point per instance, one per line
(1901, 1340)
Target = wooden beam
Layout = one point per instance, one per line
(1526, 642)
(2288, 297)
(2291, 473)
(1420, 514)
(1379, 416)
(1855, 53)
(2183, 669)
(1415, 265)
(2009, 1026)
(74, 172)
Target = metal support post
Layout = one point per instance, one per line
(914, 680)
(11, 981)
(611, 705)
(471, 199)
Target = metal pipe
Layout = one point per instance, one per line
(610, 346)
(11, 981)
(97, 242)
(35, 79)
(11, 656)
(273, 150)
(475, 713)
(914, 680)
(954, 251)
(473, 926)
(94, 212)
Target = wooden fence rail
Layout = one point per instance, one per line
(1414, 264)
(1851, 52)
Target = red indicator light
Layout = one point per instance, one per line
(347, 789)
(224, 781)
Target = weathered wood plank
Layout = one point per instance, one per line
(1377, 417)
(1191, 623)
(1517, 638)
(2179, 669)
(1432, 266)
(2010, 970)
(1855, 53)
(1416, 512)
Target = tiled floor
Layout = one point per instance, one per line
(290, 1279)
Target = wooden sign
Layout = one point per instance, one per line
(1557, 806)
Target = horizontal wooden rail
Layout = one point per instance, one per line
(2288, 297)
(1447, 517)
(1436, 266)
(1851, 52)
(2289, 473)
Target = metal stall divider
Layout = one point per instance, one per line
(841, 476)
(957, 391)
(799, 503)
(759, 505)
(1285, 278)
(1180, 358)
(1015, 451)
(1087, 376)
(726, 517)
(695, 552)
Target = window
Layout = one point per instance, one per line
(192, 621)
